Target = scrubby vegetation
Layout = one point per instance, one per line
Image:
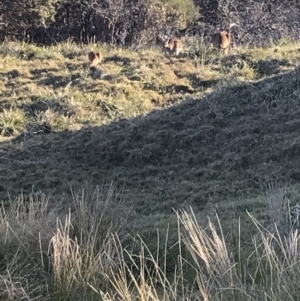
(148, 177)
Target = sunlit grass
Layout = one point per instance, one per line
(12, 120)
(132, 83)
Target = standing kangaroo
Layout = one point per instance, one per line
(95, 58)
(222, 40)
(173, 46)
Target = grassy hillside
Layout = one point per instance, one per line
(168, 133)
(220, 131)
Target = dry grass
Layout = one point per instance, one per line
(84, 254)
(219, 136)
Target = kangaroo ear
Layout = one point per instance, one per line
(98, 55)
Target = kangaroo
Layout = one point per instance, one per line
(222, 40)
(173, 46)
(95, 58)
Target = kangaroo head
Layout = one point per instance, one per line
(94, 57)
(167, 43)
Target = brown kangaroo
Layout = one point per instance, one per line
(222, 40)
(95, 58)
(173, 46)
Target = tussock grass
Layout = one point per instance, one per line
(12, 121)
(84, 253)
(58, 251)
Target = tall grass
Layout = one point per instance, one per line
(80, 252)
(57, 251)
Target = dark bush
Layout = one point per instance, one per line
(122, 22)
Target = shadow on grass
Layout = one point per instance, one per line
(11, 74)
(37, 73)
(263, 67)
(270, 67)
(59, 81)
(117, 59)
(200, 153)
(197, 82)
(38, 106)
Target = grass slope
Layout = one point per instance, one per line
(190, 131)
(210, 152)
